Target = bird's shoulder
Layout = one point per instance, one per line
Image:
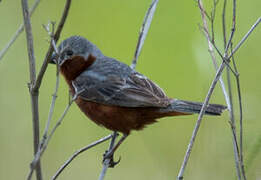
(112, 82)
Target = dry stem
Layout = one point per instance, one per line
(78, 152)
(34, 94)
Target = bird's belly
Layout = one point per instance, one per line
(117, 118)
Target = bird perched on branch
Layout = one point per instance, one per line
(112, 94)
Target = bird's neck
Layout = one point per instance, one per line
(72, 68)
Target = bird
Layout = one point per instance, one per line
(113, 95)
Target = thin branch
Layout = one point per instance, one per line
(233, 28)
(233, 127)
(227, 98)
(50, 50)
(245, 37)
(195, 131)
(106, 162)
(240, 119)
(54, 96)
(202, 111)
(224, 23)
(206, 33)
(231, 110)
(236, 149)
(18, 32)
(144, 31)
(37, 85)
(78, 152)
(211, 51)
(43, 147)
(34, 94)
(214, 82)
(30, 44)
(212, 19)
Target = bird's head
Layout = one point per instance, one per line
(75, 46)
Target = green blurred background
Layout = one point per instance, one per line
(175, 56)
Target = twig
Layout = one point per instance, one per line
(231, 110)
(245, 37)
(218, 75)
(107, 161)
(206, 33)
(44, 146)
(144, 31)
(233, 28)
(34, 94)
(202, 111)
(37, 84)
(227, 98)
(54, 96)
(78, 152)
(233, 128)
(212, 19)
(214, 82)
(236, 151)
(18, 31)
(50, 50)
(240, 118)
(211, 51)
(224, 23)
(29, 38)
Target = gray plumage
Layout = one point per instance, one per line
(110, 82)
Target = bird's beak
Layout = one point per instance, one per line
(53, 58)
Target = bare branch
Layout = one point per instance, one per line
(245, 37)
(217, 77)
(50, 50)
(18, 32)
(54, 96)
(37, 85)
(228, 98)
(29, 38)
(233, 28)
(206, 32)
(34, 94)
(202, 111)
(45, 144)
(224, 23)
(78, 152)
(240, 119)
(214, 82)
(212, 19)
(144, 31)
(236, 149)
(107, 161)
(211, 50)
(231, 110)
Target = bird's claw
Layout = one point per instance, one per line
(108, 155)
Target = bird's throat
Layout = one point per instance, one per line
(73, 67)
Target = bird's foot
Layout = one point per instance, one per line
(108, 155)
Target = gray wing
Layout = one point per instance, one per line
(118, 85)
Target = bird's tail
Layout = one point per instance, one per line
(180, 107)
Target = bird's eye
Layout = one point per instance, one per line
(69, 52)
